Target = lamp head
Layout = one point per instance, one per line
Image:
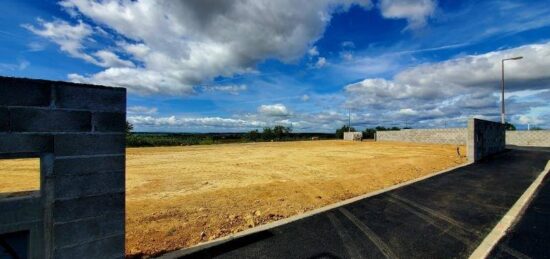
(514, 58)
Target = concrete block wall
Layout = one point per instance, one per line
(536, 138)
(357, 136)
(437, 136)
(485, 138)
(77, 131)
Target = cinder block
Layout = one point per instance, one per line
(25, 143)
(88, 230)
(24, 209)
(109, 122)
(42, 120)
(88, 97)
(4, 119)
(88, 185)
(89, 144)
(87, 207)
(112, 247)
(24, 92)
(86, 165)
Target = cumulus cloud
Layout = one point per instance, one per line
(415, 11)
(171, 46)
(325, 121)
(458, 87)
(71, 39)
(274, 110)
(194, 122)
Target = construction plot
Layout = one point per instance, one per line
(178, 197)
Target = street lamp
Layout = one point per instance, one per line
(502, 113)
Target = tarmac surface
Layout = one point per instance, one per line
(444, 216)
(529, 237)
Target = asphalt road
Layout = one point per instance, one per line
(529, 237)
(441, 217)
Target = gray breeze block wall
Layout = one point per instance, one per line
(77, 131)
(437, 136)
(353, 136)
(485, 138)
(538, 138)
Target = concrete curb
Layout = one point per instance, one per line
(500, 230)
(187, 251)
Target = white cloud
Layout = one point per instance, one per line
(415, 11)
(321, 62)
(458, 87)
(408, 111)
(346, 55)
(110, 59)
(464, 75)
(274, 110)
(179, 44)
(142, 110)
(36, 46)
(325, 121)
(313, 51)
(525, 119)
(193, 122)
(20, 65)
(71, 39)
(230, 89)
(348, 44)
(305, 98)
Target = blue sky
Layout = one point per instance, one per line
(233, 66)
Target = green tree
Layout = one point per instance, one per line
(253, 135)
(267, 134)
(280, 132)
(509, 126)
(340, 131)
(129, 128)
(368, 133)
(536, 128)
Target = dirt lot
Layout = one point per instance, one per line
(180, 196)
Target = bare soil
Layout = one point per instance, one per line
(178, 197)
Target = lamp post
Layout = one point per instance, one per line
(502, 113)
(349, 120)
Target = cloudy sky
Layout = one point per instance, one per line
(231, 66)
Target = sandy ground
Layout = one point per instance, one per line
(19, 176)
(181, 196)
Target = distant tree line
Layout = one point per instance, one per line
(277, 133)
(368, 133)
